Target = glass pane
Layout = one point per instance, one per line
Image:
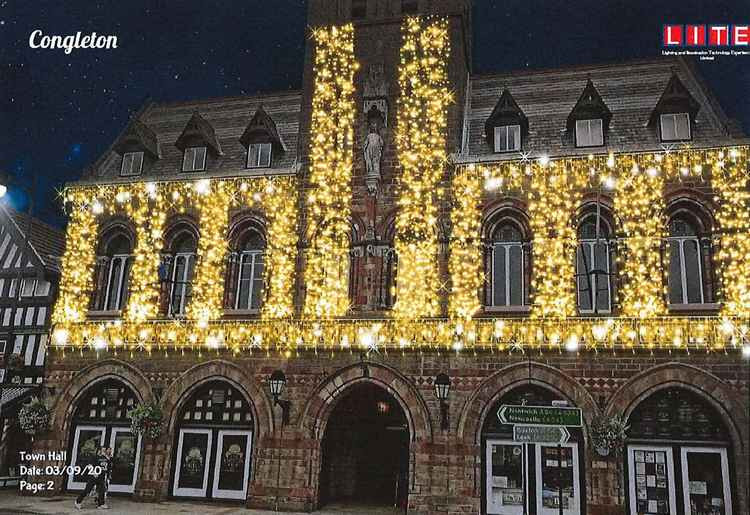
(498, 291)
(651, 481)
(89, 441)
(512, 138)
(232, 466)
(583, 258)
(595, 132)
(682, 123)
(187, 160)
(200, 158)
(601, 264)
(125, 279)
(582, 133)
(506, 483)
(516, 275)
(692, 271)
(258, 282)
(113, 299)
(557, 473)
(675, 273)
(252, 155)
(264, 158)
(705, 483)
(193, 460)
(123, 458)
(668, 127)
(501, 134)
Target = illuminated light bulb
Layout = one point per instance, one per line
(609, 182)
(611, 161)
(100, 343)
(727, 327)
(677, 340)
(151, 188)
(493, 183)
(60, 336)
(257, 197)
(96, 207)
(652, 171)
(212, 341)
(571, 345)
(733, 153)
(403, 342)
(544, 160)
(698, 169)
(599, 332)
(366, 339)
(203, 186)
(122, 197)
(345, 342)
(746, 351)
(685, 171)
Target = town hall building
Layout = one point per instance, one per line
(372, 290)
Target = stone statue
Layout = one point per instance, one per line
(373, 150)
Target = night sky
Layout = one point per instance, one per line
(59, 112)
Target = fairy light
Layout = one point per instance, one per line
(464, 267)
(421, 129)
(331, 162)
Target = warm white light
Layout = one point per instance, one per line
(746, 351)
(203, 186)
(544, 160)
(96, 207)
(100, 343)
(212, 342)
(493, 183)
(3, 190)
(60, 336)
(609, 182)
(599, 332)
(572, 344)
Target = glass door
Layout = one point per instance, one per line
(557, 482)
(705, 481)
(232, 468)
(506, 478)
(191, 466)
(651, 480)
(126, 453)
(86, 442)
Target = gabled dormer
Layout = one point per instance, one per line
(675, 112)
(137, 147)
(589, 119)
(198, 142)
(262, 140)
(507, 126)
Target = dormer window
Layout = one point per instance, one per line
(507, 126)
(508, 138)
(675, 126)
(194, 159)
(132, 164)
(259, 155)
(589, 118)
(589, 133)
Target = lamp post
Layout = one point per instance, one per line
(276, 383)
(442, 390)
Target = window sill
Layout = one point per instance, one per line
(114, 313)
(241, 312)
(682, 308)
(507, 309)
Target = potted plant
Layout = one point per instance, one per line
(608, 434)
(34, 417)
(146, 419)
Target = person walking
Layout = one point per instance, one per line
(100, 468)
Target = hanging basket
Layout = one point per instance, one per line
(34, 417)
(608, 435)
(146, 419)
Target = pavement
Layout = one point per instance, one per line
(11, 503)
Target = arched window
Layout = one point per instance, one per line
(251, 268)
(182, 255)
(113, 272)
(593, 265)
(686, 261)
(508, 257)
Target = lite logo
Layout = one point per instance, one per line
(706, 35)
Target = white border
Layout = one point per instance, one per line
(131, 487)
(721, 451)
(671, 480)
(80, 485)
(192, 492)
(218, 493)
(508, 510)
(576, 507)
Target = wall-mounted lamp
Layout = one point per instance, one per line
(276, 383)
(442, 390)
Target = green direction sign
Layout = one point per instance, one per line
(540, 434)
(540, 415)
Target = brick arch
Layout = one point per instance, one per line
(709, 387)
(107, 369)
(178, 224)
(112, 227)
(195, 376)
(243, 221)
(323, 399)
(513, 207)
(478, 406)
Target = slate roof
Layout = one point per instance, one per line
(46, 241)
(228, 118)
(631, 90)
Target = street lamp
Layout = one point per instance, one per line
(442, 390)
(276, 384)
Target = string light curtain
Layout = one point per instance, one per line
(331, 161)
(420, 136)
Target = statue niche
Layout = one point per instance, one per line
(373, 149)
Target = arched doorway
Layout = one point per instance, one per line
(678, 456)
(365, 450)
(101, 419)
(533, 478)
(213, 443)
